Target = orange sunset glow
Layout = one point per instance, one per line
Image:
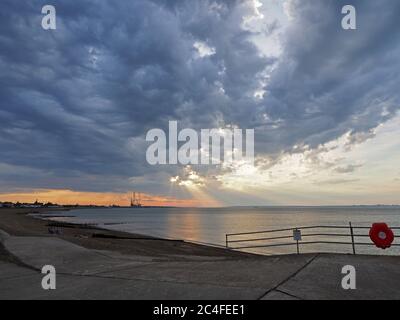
(69, 197)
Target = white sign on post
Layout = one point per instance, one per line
(296, 235)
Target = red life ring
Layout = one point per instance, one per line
(381, 235)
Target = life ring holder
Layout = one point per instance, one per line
(381, 235)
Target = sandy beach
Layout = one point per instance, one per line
(17, 222)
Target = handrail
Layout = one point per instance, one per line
(310, 242)
(303, 235)
(230, 237)
(306, 227)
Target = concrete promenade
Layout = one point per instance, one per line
(93, 274)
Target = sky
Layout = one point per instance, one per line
(76, 102)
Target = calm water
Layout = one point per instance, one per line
(211, 225)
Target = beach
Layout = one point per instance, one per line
(17, 222)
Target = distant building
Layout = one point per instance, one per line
(135, 201)
(6, 205)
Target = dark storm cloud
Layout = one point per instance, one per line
(331, 81)
(76, 103)
(73, 99)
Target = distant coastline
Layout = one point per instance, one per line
(49, 205)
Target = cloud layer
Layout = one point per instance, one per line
(76, 103)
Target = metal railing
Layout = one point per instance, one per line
(263, 239)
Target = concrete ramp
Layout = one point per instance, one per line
(90, 274)
(65, 256)
(377, 277)
(3, 236)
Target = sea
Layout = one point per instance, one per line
(211, 225)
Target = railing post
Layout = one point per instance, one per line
(297, 237)
(226, 240)
(352, 238)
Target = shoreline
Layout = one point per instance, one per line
(18, 222)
